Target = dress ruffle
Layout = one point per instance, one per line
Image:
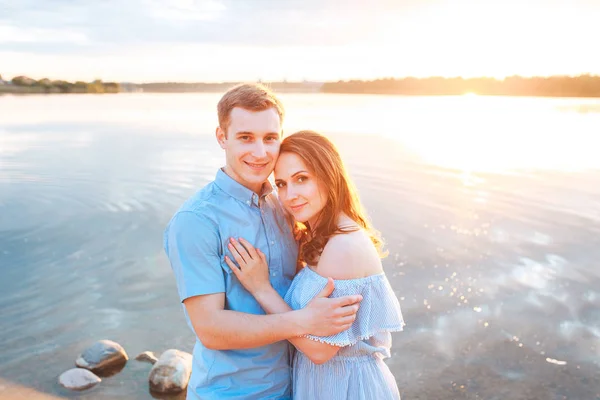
(379, 311)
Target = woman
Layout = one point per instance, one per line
(336, 241)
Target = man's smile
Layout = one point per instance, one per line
(256, 166)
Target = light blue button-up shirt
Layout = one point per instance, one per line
(196, 243)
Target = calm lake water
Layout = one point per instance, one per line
(490, 207)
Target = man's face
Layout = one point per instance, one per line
(251, 145)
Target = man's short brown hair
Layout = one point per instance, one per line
(249, 96)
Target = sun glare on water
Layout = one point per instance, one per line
(478, 133)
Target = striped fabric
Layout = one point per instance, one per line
(357, 371)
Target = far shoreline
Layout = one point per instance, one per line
(41, 93)
(582, 86)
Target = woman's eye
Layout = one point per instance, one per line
(280, 185)
(301, 179)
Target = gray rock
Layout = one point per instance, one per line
(171, 373)
(78, 379)
(147, 356)
(102, 355)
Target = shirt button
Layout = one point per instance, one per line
(248, 202)
(272, 242)
(274, 274)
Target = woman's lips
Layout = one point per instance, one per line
(297, 208)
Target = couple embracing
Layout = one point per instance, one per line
(284, 286)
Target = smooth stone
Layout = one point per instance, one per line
(147, 356)
(102, 355)
(171, 373)
(78, 379)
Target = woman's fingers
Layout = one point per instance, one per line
(234, 245)
(232, 265)
(236, 255)
(249, 248)
(262, 255)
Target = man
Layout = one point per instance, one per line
(240, 352)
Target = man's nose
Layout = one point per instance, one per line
(259, 150)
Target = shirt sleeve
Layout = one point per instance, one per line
(192, 244)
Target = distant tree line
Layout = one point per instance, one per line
(25, 84)
(556, 86)
(171, 87)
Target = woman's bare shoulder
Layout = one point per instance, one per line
(349, 256)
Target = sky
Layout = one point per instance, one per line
(319, 40)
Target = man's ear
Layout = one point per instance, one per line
(220, 135)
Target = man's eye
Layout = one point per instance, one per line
(245, 137)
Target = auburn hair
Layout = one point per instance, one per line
(249, 96)
(323, 160)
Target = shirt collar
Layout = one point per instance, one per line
(239, 191)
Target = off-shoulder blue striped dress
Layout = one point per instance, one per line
(357, 371)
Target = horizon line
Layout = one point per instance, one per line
(264, 81)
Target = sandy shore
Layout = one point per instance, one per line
(13, 391)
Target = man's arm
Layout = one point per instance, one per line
(221, 329)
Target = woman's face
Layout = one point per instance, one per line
(300, 192)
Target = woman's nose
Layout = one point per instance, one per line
(291, 192)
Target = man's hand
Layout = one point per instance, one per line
(326, 317)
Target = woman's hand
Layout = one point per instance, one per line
(251, 269)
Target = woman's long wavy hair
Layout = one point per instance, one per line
(323, 160)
